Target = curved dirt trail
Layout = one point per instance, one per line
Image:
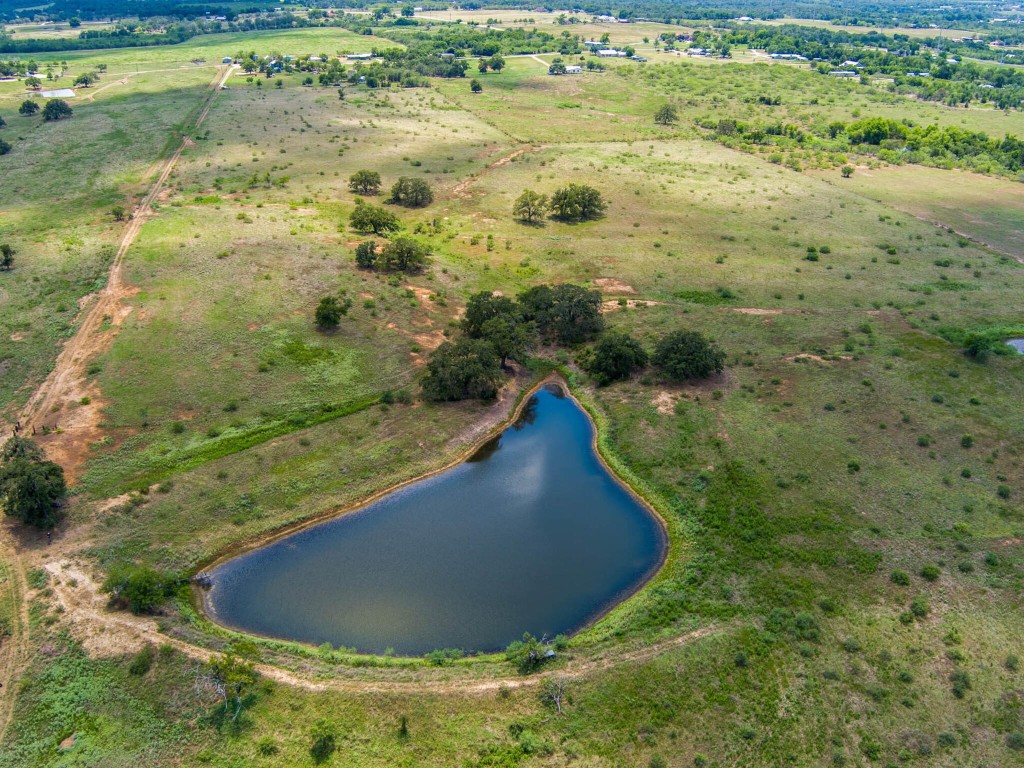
(107, 632)
(68, 377)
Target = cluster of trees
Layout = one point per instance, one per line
(893, 141)
(571, 203)
(401, 254)
(32, 489)
(947, 79)
(497, 328)
(680, 356)
(408, 191)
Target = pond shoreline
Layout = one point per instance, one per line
(200, 598)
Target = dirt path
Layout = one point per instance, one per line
(462, 188)
(65, 383)
(106, 632)
(68, 382)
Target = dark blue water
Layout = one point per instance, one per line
(530, 535)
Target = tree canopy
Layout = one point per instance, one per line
(56, 109)
(684, 355)
(28, 107)
(364, 182)
(568, 313)
(330, 311)
(530, 206)
(577, 202)
(411, 192)
(6, 255)
(616, 355)
(667, 115)
(138, 588)
(404, 254)
(463, 369)
(31, 488)
(373, 218)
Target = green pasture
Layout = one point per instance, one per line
(845, 499)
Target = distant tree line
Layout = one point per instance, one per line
(893, 141)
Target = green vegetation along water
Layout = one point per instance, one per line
(531, 534)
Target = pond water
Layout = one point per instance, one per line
(1017, 344)
(531, 534)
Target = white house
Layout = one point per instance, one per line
(359, 56)
(608, 53)
(573, 69)
(843, 73)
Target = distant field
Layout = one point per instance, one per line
(26, 31)
(910, 31)
(988, 210)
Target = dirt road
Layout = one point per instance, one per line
(68, 383)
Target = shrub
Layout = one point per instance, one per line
(137, 587)
(323, 741)
(966, 441)
(142, 661)
(902, 578)
(930, 572)
(527, 654)
(919, 607)
(961, 682)
(444, 657)
(366, 254)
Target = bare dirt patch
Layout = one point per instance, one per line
(613, 285)
(423, 295)
(815, 358)
(758, 311)
(664, 402)
(17, 336)
(614, 305)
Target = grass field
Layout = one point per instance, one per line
(805, 489)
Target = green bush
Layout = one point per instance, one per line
(902, 578)
(930, 572)
(139, 588)
(142, 661)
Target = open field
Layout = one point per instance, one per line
(909, 31)
(805, 489)
(988, 210)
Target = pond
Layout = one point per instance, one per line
(531, 534)
(1017, 344)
